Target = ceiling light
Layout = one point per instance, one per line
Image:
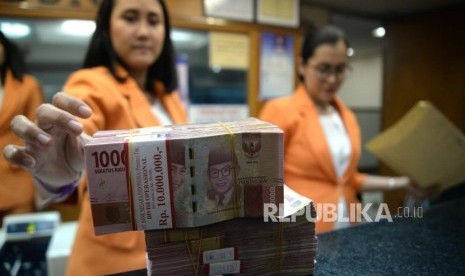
(78, 27)
(181, 36)
(216, 69)
(15, 30)
(350, 52)
(379, 32)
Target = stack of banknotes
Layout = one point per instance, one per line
(282, 244)
(183, 175)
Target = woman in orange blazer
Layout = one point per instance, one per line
(128, 82)
(20, 93)
(322, 136)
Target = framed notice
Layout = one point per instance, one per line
(277, 74)
(278, 12)
(229, 50)
(208, 113)
(242, 10)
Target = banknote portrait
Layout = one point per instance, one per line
(222, 172)
(181, 192)
(178, 165)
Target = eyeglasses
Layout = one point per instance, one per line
(324, 71)
(214, 173)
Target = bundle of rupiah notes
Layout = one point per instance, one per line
(183, 175)
(275, 244)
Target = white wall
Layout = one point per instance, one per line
(362, 92)
(363, 87)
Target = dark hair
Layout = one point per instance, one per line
(13, 60)
(177, 152)
(219, 155)
(324, 35)
(101, 52)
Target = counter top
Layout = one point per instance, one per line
(431, 245)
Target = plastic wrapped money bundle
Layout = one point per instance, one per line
(184, 175)
(245, 246)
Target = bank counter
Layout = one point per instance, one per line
(431, 245)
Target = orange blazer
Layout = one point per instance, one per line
(16, 188)
(115, 106)
(308, 167)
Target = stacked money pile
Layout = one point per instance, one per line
(183, 176)
(249, 246)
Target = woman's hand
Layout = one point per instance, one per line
(429, 192)
(383, 183)
(53, 148)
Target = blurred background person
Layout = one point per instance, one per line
(20, 93)
(321, 135)
(128, 81)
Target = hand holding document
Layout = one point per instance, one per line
(423, 145)
(183, 175)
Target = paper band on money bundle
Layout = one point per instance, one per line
(283, 244)
(183, 176)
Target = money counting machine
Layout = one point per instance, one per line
(35, 244)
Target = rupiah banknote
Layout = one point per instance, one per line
(183, 175)
(247, 246)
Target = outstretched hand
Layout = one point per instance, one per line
(430, 192)
(53, 148)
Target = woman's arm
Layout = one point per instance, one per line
(54, 144)
(383, 183)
